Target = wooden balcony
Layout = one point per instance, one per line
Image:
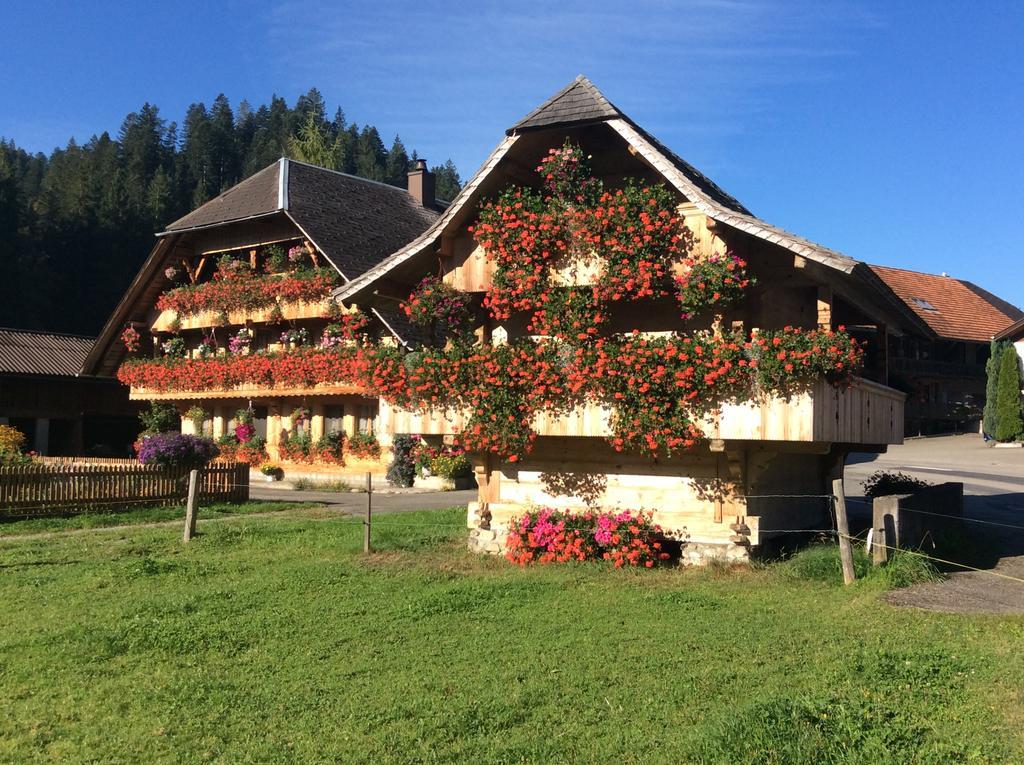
(864, 413)
(291, 310)
(246, 392)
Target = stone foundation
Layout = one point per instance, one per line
(489, 541)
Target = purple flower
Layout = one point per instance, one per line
(176, 450)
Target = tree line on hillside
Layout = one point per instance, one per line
(76, 225)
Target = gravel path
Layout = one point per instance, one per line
(993, 491)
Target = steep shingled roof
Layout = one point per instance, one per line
(354, 222)
(955, 309)
(577, 102)
(26, 352)
(257, 195)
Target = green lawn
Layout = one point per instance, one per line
(126, 517)
(275, 640)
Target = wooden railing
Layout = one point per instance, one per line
(55, 489)
(863, 413)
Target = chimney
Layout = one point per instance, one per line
(421, 183)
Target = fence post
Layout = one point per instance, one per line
(193, 505)
(369, 504)
(843, 527)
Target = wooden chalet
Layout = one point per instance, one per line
(61, 412)
(939, 362)
(340, 224)
(766, 464)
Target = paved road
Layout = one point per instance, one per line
(355, 502)
(993, 494)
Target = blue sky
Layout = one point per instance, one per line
(888, 130)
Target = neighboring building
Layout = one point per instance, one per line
(722, 496)
(337, 224)
(61, 412)
(1014, 334)
(940, 362)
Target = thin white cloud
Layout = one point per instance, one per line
(463, 72)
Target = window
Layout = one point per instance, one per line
(259, 421)
(334, 418)
(921, 303)
(366, 416)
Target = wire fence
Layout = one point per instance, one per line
(391, 519)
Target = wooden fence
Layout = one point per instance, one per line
(59, 489)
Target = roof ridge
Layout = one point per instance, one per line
(604, 109)
(347, 175)
(51, 333)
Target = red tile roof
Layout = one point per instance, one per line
(953, 308)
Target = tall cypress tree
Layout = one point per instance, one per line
(1010, 424)
(990, 417)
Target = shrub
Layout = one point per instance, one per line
(550, 536)
(274, 471)
(12, 440)
(883, 483)
(308, 484)
(159, 418)
(1009, 424)
(402, 469)
(176, 450)
(451, 466)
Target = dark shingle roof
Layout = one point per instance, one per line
(953, 308)
(577, 102)
(354, 222)
(256, 195)
(25, 352)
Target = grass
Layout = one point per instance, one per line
(308, 484)
(275, 640)
(127, 517)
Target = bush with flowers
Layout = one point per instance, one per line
(12, 441)
(625, 538)
(131, 339)
(176, 450)
(363, 446)
(434, 304)
(712, 282)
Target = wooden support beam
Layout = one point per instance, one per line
(825, 301)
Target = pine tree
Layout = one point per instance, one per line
(370, 154)
(447, 183)
(1010, 424)
(397, 165)
(86, 214)
(313, 145)
(990, 417)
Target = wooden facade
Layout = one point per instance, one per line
(343, 224)
(765, 466)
